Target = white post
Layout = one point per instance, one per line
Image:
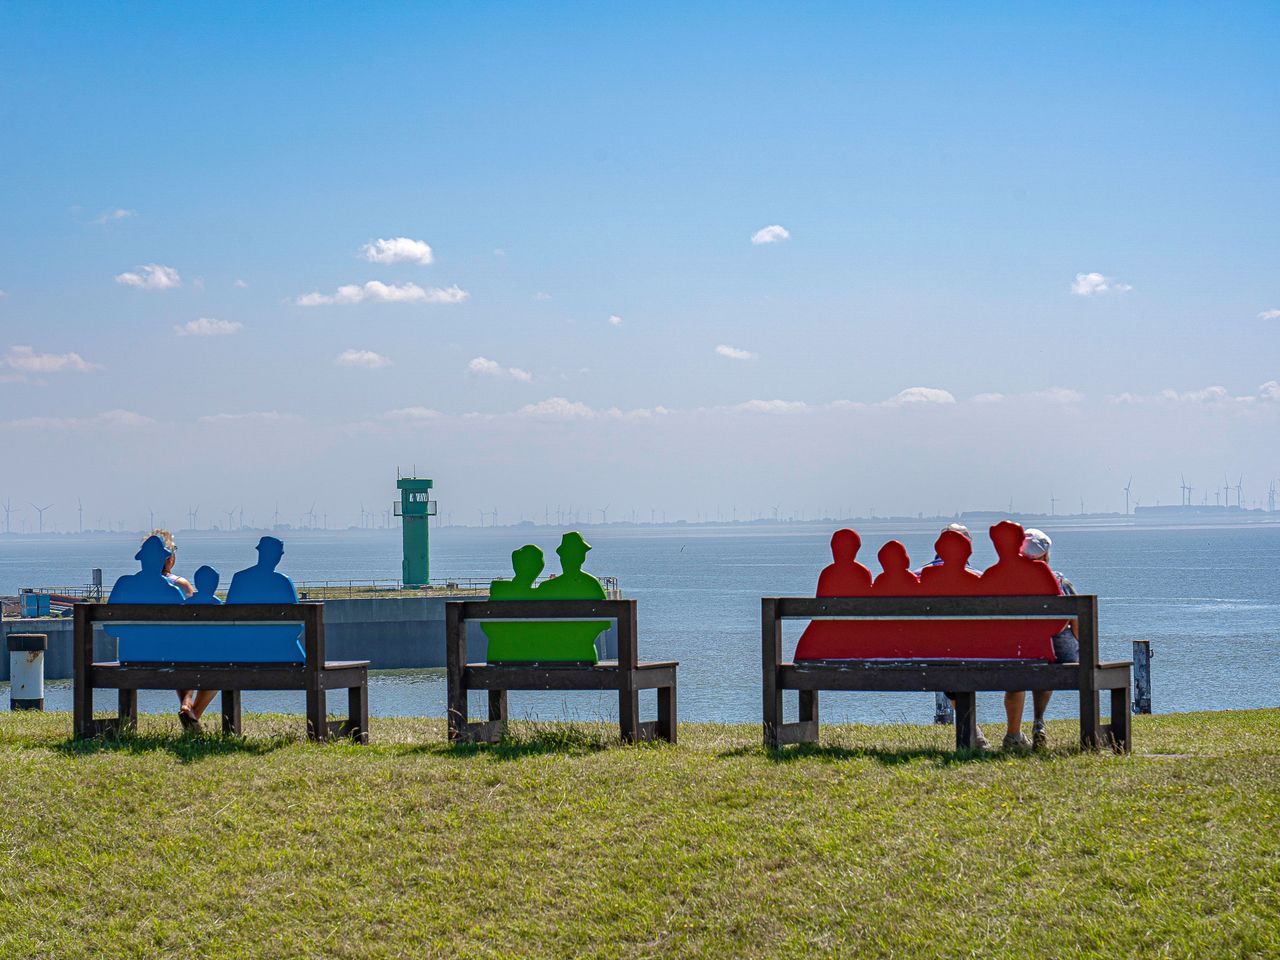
(26, 670)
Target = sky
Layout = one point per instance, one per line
(813, 258)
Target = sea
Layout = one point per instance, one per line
(1207, 598)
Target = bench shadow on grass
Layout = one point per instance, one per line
(565, 739)
(885, 756)
(186, 748)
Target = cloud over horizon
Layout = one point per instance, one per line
(207, 327)
(734, 353)
(376, 291)
(25, 360)
(484, 367)
(365, 359)
(1092, 284)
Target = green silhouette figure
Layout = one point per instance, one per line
(533, 641)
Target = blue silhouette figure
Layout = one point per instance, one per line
(260, 583)
(206, 581)
(149, 584)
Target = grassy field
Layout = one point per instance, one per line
(880, 842)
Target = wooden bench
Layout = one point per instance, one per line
(962, 677)
(626, 674)
(314, 674)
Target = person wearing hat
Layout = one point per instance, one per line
(1066, 647)
(261, 583)
(150, 584)
(573, 583)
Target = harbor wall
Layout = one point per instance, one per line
(391, 633)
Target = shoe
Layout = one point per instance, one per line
(981, 741)
(1016, 741)
(1039, 739)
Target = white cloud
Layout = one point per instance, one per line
(397, 250)
(542, 295)
(413, 413)
(556, 408)
(1089, 284)
(1215, 395)
(615, 320)
(914, 395)
(108, 419)
(1269, 315)
(484, 367)
(1050, 395)
(772, 406)
(26, 360)
(208, 327)
(153, 276)
(773, 233)
(119, 213)
(239, 284)
(266, 416)
(377, 291)
(362, 358)
(733, 353)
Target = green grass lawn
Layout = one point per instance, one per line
(880, 842)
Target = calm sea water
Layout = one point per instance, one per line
(1208, 599)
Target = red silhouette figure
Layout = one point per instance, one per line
(896, 578)
(844, 577)
(1012, 574)
(1015, 575)
(952, 577)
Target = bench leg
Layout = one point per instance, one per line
(667, 713)
(498, 706)
(357, 725)
(128, 711)
(629, 713)
(317, 721)
(966, 720)
(772, 711)
(1090, 718)
(808, 706)
(1122, 719)
(231, 712)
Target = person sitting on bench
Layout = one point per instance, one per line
(1013, 574)
(1066, 648)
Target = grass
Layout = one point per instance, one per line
(879, 842)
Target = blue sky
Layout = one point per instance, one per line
(945, 177)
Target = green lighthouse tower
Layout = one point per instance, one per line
(414, 508)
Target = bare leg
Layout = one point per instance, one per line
(184, 699)
(1040, 701)
(1014, 701)
(201, 702)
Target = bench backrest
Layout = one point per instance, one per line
(274, 633)
(197, 636)
(931, 628)
(543, 614)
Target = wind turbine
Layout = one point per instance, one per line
(231, 519)
(1239, 497)
(41, 510)
(80, 512)
(1126, 496)
(8, 509)
(604, 514)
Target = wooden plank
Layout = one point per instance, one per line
(544, 609)
(627, 653)
(198, 676)
(628, 712)
(509, 676)
(1121, 719)
(127, 711)
(972, 676)
(202, 613)
(1087, 634)
(931, 608)
(785, 733)
(358, 713)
